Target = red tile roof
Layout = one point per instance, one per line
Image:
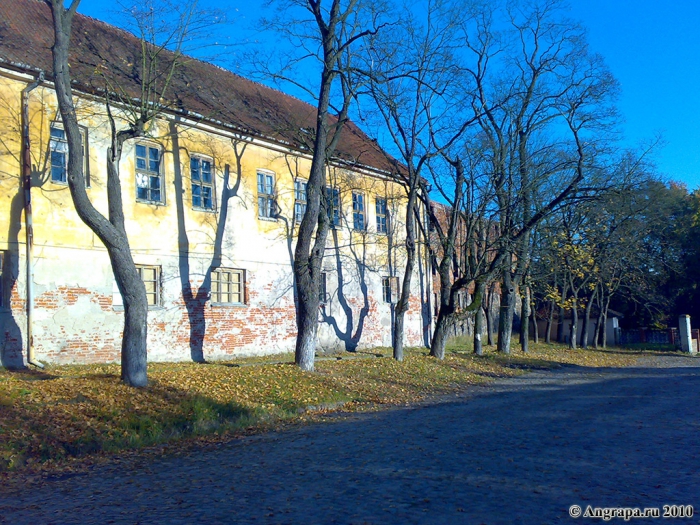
(199, 88)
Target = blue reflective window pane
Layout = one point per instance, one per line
(58, 174)
(58, 166)
(196, 196)
(153, 159)
(194, 169)
(206, 171)
(206, 194)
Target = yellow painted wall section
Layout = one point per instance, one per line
(78, 315)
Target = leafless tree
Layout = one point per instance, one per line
(415, 89)
(543, 135)
(464, 243)
(330, 32)
(131, 110)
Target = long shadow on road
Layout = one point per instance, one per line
(520, 451)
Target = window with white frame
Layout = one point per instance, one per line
(201, 175)
(59, 154)
(390, 289)
(150, 275)
(358, 211)
(333, 205)
(149, 177)
(227, 286)
(266, 195)
(300, 200)
(382, 215)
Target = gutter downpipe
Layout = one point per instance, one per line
(29, 228)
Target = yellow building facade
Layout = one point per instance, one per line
(211, 208)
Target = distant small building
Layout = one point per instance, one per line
(611, 334)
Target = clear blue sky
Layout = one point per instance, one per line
(651, 46)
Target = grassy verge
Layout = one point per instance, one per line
(50, 418)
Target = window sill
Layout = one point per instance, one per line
(65, 184)
(228, 305)
(152, 203)
(120, 308)
(268, 219)
(205, 210)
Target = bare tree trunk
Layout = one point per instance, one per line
(134, 355)
(583, 339)
(525, 319)
(550, 322)
(335, 36)
(586, 321)
(308, 257)
(441, 335)
(447, 307)
(562, 316)
(403, 302)
(596, 337)
(489, 314)
(598, 327)
(449, 288)
(134, 359)
(535, 328)
(110, 231)
(307, 324)
(605, 323)
(505, 319)
(478, 331)
(574, 324)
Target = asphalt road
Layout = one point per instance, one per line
(518, 451)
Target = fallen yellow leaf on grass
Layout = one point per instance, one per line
(64, 412)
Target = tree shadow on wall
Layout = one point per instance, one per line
(11, 342)
(196, 300)
(349, 334)
(11, 347)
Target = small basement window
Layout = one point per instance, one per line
(150, 275)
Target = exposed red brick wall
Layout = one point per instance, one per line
(94, 332)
